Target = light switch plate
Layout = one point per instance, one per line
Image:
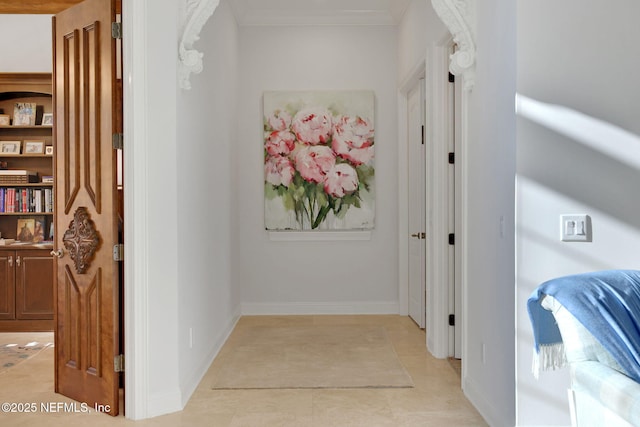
(575, 228)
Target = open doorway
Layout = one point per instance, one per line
(429, 224)
(417, 202)
(442, 203)
(88, 172)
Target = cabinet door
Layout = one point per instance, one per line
(34, 284)
(7, 286)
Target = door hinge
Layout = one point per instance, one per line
(118, 363)
(452, 239)
(452, 320)
(116, 30)
(452, 78)
(118, 252)
(452, 158)
(117, 140)
(423, 137)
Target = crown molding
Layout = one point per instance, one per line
(460, 18)
(196, 14)
(278, 17)
(318, 12)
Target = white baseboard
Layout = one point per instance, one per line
(301, 308)
(193, 382)
(163, 403)
(479, 400)
(166, 403)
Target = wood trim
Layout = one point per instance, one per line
(26, 325)
(26, 82)
(49, 7)
(36, 7)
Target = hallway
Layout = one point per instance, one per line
(436, 399)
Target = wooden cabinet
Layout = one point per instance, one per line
(26, 290)
(26, 267)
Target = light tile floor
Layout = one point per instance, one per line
(436, 399)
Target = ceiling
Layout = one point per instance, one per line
(319, 12)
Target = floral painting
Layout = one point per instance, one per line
(319, 160)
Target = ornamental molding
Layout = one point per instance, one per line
(460, 18)
(81, 239)
(196, 14)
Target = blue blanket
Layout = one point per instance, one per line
(606, 302)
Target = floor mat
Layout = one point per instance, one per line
(311, 356)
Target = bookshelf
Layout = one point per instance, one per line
(26, 202)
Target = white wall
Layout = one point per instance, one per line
(26, 44)
(420, 27)
(208, 301)
(314, 276)
(162, 220)
(488, 380)
(586, 66)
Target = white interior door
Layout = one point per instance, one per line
(457, 200)
(417, 203)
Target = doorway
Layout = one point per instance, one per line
(442, 205)
(91, 144)
(417, 202)
(428, 200)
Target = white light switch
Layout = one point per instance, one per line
(575, 228)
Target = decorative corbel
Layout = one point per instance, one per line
(197, 13)
(460, 18)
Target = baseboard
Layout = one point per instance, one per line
(192, 383)
(482, 405)
(163, 403)
(302, 308)
(166, 403)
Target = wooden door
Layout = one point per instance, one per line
(86, 288)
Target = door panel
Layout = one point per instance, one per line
(34, 285)
(87, 315)
(7, 286)
(417, 197)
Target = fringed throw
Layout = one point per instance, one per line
(548, 357)
(606, 303)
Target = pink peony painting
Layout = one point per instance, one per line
(319, 160)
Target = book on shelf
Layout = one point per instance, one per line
(26, 199)
(47, 179)
(19, 172)
(37, 197)
(17, 176)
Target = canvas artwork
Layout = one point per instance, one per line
(319, 160)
